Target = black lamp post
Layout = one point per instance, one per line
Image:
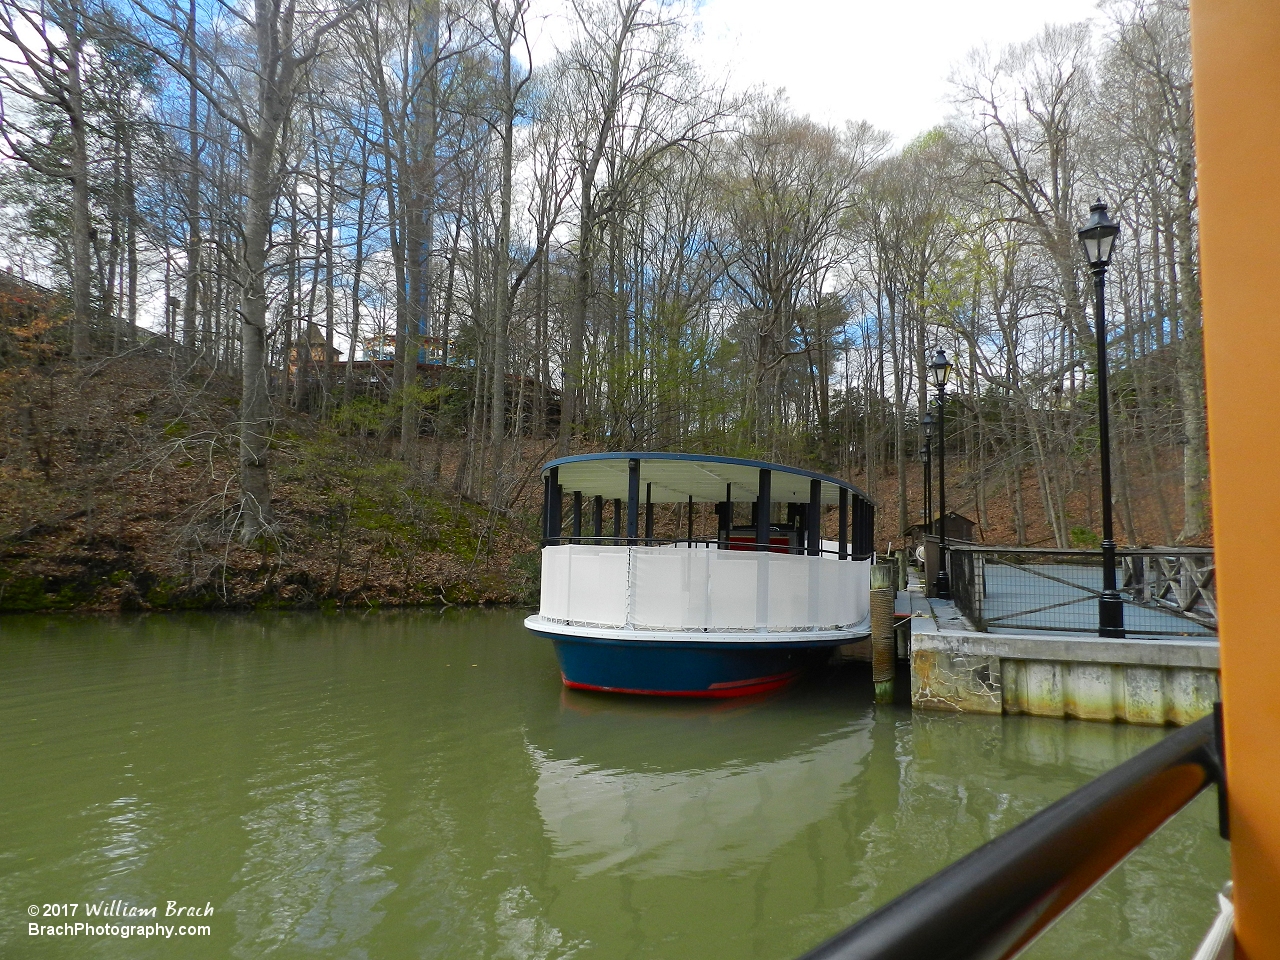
(940, 370)
(1097, 237)
(926, 457)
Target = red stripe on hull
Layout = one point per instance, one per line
(739, 688)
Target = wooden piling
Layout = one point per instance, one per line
(883, 590)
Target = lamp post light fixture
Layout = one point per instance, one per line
(1097, 239)
(940, 371)
(926, 457)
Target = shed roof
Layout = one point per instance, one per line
(952, 518)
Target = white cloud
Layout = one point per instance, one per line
(885, 61)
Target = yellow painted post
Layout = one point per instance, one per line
(1236, 61)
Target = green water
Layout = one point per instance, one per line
(417, 785)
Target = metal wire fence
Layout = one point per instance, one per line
(1166, 591)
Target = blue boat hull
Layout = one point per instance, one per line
(675, 669)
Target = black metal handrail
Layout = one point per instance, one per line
(1093, 552)
(993, 902)
(1177, 581)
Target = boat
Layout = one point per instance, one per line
(740, 595)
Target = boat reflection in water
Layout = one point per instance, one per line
(657, 789)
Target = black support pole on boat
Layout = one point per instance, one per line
(863, 539)
(554, 507)
(763, 503)
(858, 506)
(725, 514)
(813, 522)
(690, 521)
(597, 517)
(617, 519)
(648, 513)
(577, 516)
(633, 500)
(855, 530)
(546, 509)
(844, 524)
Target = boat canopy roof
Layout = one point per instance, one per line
(675, 477)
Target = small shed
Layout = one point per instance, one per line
(959, 528)
(924, 544)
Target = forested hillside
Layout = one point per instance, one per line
(117, 492)
(611, 250)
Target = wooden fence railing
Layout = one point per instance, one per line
(1176, 578)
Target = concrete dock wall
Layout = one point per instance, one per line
(1089, 678)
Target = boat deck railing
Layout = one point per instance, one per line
(993, 902)
(829, 548)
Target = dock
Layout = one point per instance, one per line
(957, 668)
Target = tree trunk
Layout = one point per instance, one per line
(570, 399)
(193, 194)
(274, 98)
(81, 223)
(131, 245)
(255, 411)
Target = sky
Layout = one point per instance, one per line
(885, 61)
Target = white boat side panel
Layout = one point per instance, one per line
(661, 594)
(598, 588)
(695, 588)
(836, 589)
(731, 585)
(789, 591)
(556, 576)
(656, 588)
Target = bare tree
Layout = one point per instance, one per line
(282, 42)
(788, 186)
(630, 83)
(43, 67)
